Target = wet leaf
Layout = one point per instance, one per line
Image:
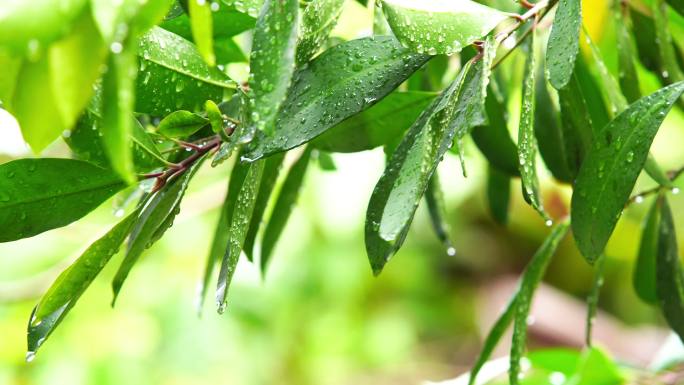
(627, 73)
(437, 210)
(181, 123)
(563, 45)
(669, 274)
(272, 61)
(612, 166)
(341, 82)
(227, 21)
(73, 282)
(214, 116)
(498, 194)
(37, 195)
(284, 204)
(201, 24)
(668, 56)
(644, 276)
(174, 76)
(389, 118)
(440, 26)
(578, 128)
(318, 19)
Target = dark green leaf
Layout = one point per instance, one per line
(201, 24)
(677, 5)
(668, 55)
(644, 278)
(578, 129)
(227, 22)
(612, 166)
(669, 273)
(156, 217)
(73, 282)
(389, 118)
(593, 298)
(563, 46)
(174, 76)
(527, 143)
(341, 82)
(37, 195)
(530, 280)
(181, 123)
(318, 19)
(326, 161)
(287, 198)
(498, 194)
(629, 80)
(593, 93)
(440, 27)
(272, 61)
(437, 210)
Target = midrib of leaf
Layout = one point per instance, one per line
(44, 198)
(211, 81)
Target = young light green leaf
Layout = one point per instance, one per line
(118, 100)
(201, 24)
(669, 273)
(174, 76)
(644, 276)
(156, 217)
(398, 192)
(389, 118)
(227, 21)
(498, 194)
(37, 195)
(268, 181)
(287, 198)
(325, 161)
(181, 123)
(527, 143)
(272, 61)
(593, 298)
(534, 272)
(437, 210)
(563, 46)
(611, 167)
(627, 74)
(247, 190)
(440, 26)
(73, 282)
(318, 19)
(341, 82)
(215, 116)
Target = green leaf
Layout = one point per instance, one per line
(669, 274)
(156, 217)
(227, 21)
(527, 143)
(563, 45)
(534, 272)
(174, 76)
(668, 56)
(214, 116)
(272, 61)
(578, 128)
(137, 16)
(498, 194)
(318, 19)
(493, 138)
(73, 282)
(325, 161)
(627, 73)
(181, 123)
(341, 82)
(268, 181)
(37, 195)
(246, 190)
(644, 277)
(389, 118)
(593, 298)
(677, 5)
(201, 24)
(11, 65)
(437, 210)
(398, 192)
(612, 166)
(440, 27)
(596, 367)
(118, 100)
(248, 7)
(287, 197)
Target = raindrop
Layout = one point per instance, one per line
(451, 251)
(30, 356)
(548, 223)
(675, 190)
(116, 47)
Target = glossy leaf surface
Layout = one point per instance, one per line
(318, 19)
(181, 123)
(563, 45)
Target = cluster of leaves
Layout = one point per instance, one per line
(140, 93)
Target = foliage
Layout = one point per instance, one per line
(143, 94)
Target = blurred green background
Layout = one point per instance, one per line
(319, 316)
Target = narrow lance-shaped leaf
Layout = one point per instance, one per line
(627, 74)
(527, 143)
(239, 225)
(156, 217)
(37, 195)
(611, 168)
(498, 194)
(670, 276)
(73, 282)
(668, 56)
(201, 24)
(440, 26)
(181, 123)
(341, 82)
(437, 210)
(174, 76)
(284, 204)
(272, 61)
(593, 298)
(578, 128)
(318, 19)
(563, 46)
(644, 276)
(530, 280)
(677, 5)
